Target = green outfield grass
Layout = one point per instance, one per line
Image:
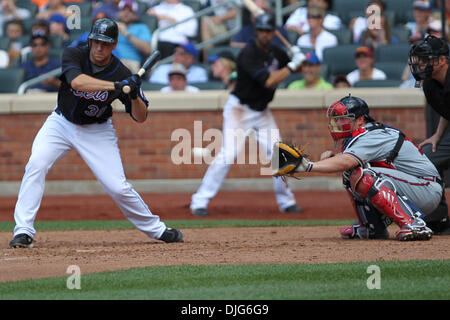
(125, 224)
(399, 280)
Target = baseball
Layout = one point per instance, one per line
(200, 152)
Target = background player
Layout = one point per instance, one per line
(261, 66)
(92, 78)
(387, 175)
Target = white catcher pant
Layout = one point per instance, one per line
(97, 145)
(238, 116)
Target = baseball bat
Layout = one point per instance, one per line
(148, 64)
(257, 11)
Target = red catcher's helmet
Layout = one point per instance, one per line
(343, 113)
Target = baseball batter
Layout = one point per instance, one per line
(387, 175)
(92, 78)
(261, 66)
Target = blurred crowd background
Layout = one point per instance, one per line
(348, 43)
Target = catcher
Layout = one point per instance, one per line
(387, 176)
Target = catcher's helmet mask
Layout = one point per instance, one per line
(424, 56)
(105, 30)
(342, 115)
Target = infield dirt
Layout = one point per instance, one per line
(95, 251)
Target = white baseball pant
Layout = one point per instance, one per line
(237, 116)
(97, 145)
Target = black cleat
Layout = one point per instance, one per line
(201, 212)
(172, 235)
(295, 208)
(21, 241)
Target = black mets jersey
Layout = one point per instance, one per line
(90, 107)
(253, 69)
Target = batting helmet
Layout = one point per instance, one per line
(343, 112)
(104, 29)
(424, 55)
(265, 21)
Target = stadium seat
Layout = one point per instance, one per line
(291, 78)
(4, 43)
(56, 41)
(56, 53)
(150, 21)
(85, 7)
(217, 49)
(392, 52)
(26, 4)
(152, 86)
(393, 70)
(11, 79)
(343, 7)
(210, 85)
(292, 36)
(401, 33)
(401, 9)
(377, 83)
(340, 59)
(343, 35)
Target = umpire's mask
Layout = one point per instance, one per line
(424, 55)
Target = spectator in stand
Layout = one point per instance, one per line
(109, 8)
(41, 63)
(317, 38)
(218, 23)
(185, 54)
(39, 26)
(423, 10)
(365, 59)
(298, 20)
(9, 11)
(167, 13)
(248, 31)
(359, 24)
(311, 79)
(177, 80)
(52, 7)
(374, 37)
(14, 31)
(134, 37)
(222, 66)
(340, 81)
(59, 27)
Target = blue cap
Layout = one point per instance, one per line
(224, 54)
(189, 48)
(59, 18)
(423, 4)
(311, 57)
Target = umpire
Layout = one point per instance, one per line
(429, 62)
(261, 66)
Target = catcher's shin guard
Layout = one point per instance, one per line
(374, 189)
(371, 223)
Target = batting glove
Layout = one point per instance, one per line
(296, 61)
(135, 81)
(294, 50)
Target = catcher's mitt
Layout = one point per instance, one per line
(288, 159)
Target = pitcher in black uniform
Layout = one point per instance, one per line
(92, 78)
(261, 66)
